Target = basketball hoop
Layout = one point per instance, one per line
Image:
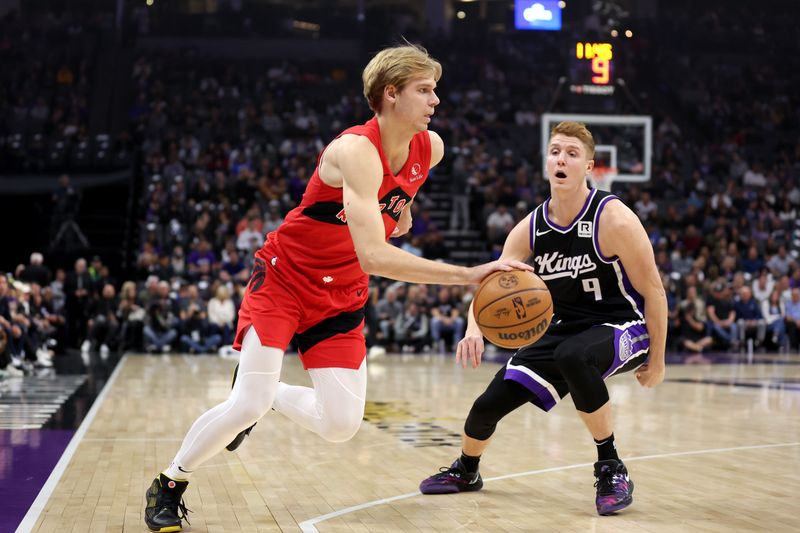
(601, 178)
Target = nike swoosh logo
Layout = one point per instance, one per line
(184, 471)
(359, 292)
(540, 233)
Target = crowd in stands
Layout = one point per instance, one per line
(228, 148)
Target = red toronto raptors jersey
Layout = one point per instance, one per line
(314, 237)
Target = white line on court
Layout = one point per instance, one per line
(41, 500)
(308, 526)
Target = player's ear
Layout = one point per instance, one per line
(589, 165)
(390, 93)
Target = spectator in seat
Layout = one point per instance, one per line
(722, 315)
(750, 320)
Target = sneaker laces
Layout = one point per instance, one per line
(446, 471)
(174, 501)
(607, 481)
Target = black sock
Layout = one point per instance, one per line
(469, 462)
(606, 449)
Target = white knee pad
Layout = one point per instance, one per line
(340, 401)
(341, 426)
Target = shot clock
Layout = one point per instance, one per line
(592, 69)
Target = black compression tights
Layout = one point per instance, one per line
(581, 359)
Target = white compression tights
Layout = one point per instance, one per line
(333, 408)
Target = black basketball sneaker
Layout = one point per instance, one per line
(165, 508)
(237, 441)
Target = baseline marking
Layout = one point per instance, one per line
(55, 476)
(308, 526)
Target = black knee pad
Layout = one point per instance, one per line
(500, 398)
(482, 419)
(581, 371)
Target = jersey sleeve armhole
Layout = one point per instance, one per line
(596, 230)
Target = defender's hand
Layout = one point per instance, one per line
(470, 349)
(651, 374)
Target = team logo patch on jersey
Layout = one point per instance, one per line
(416, 172)
(625, 346)
(585, 228)
(508, 281)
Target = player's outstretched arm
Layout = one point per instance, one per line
(361, 171)
(622, 234)
(516, 249)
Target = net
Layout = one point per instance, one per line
(601, 177)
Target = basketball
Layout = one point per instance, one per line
(513, 309)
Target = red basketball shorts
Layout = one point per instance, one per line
(328, 322)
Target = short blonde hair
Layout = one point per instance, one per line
(396, 66)
(577, 130)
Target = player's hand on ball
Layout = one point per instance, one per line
(650, 375)
(478, 273)
(470, 349)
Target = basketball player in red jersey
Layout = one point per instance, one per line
(610, 317)
(310, 277)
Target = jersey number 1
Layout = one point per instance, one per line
(593, 285)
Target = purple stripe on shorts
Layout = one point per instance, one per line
(631, 347)
(543, 399)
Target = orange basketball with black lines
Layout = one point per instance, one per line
(513, 309)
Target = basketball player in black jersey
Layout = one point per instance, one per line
(610, 317)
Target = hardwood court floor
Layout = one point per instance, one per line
(704, 457)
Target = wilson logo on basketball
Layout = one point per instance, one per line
(525, 334)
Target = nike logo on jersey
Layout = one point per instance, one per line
(359, 292)
(556, 265)
(540, 233)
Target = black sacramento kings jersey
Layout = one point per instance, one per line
(587, 288)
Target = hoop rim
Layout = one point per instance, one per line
(602, 177)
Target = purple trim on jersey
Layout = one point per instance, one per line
(542, 397)
(565, 229)
(595, 230)
(533, 228)
(632, 347)
(633, 293)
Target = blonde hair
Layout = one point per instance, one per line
(128, 287)
(577, 130)
(396, 66)
(222, 292)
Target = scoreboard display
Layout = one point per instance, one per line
(592, 69)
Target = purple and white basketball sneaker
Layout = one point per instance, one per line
(452, 480)
(614, 487)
